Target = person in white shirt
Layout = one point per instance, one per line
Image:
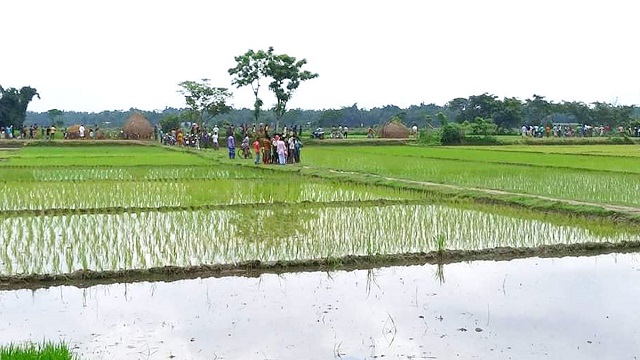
(281, 149)
(216, 145)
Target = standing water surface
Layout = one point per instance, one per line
(573, 307)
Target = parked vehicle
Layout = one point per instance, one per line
(318, 134)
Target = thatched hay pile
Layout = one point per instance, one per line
(395, 130)
(137, 127)
(73, 132)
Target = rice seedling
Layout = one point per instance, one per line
(624, 159)
(441, 243)
(186, 193)
(111, 156)
(271, 233)
(40, 351)
(564, 180)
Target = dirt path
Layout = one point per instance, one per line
(610, 207)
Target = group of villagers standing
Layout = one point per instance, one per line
(279, 149)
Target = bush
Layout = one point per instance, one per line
(430, 137)
(452, 134)
(482, 140)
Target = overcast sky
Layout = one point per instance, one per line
(112, 55)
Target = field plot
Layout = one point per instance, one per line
(142, 233)
(113, 242)
(607, 179)
(77, 210)
(184, 193)
(612, 150)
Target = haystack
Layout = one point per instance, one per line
(394, 130)
(73, 132)
(137, 127)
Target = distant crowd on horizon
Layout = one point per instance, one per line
(576, 130)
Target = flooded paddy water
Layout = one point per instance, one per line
(571, 307)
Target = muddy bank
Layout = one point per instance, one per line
(87, 278)
(234, 206)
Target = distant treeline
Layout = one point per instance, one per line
(507, 113)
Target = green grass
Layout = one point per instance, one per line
(596, 140)
(613, 150)
(30, 351)
(110, 156)
(624, 158)
(600, 179)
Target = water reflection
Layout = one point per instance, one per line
(526, 309)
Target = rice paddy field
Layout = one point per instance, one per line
(606, 174)
(83, 227)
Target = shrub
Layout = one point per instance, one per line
(481, 140)
(430, 137)
(452, 134)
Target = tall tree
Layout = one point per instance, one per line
(609, 114)
(580, 111)
(170, 122)
(286, 75)
(250, 68)
(13, 105)
(329, 118)
(537, 109)
(351, 116)
(54, 115)
(483, 106)
(458, 106)
(203, 100)
(509, 114)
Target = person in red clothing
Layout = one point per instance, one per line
(256, 149)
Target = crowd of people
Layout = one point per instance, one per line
(576, 130)
(31, 132)
(268, 147)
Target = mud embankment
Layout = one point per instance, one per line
(86, 278)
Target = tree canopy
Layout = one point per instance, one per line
(13, 105)
(283, 71)
(286, 74)
(250, 68)
(203, 100)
